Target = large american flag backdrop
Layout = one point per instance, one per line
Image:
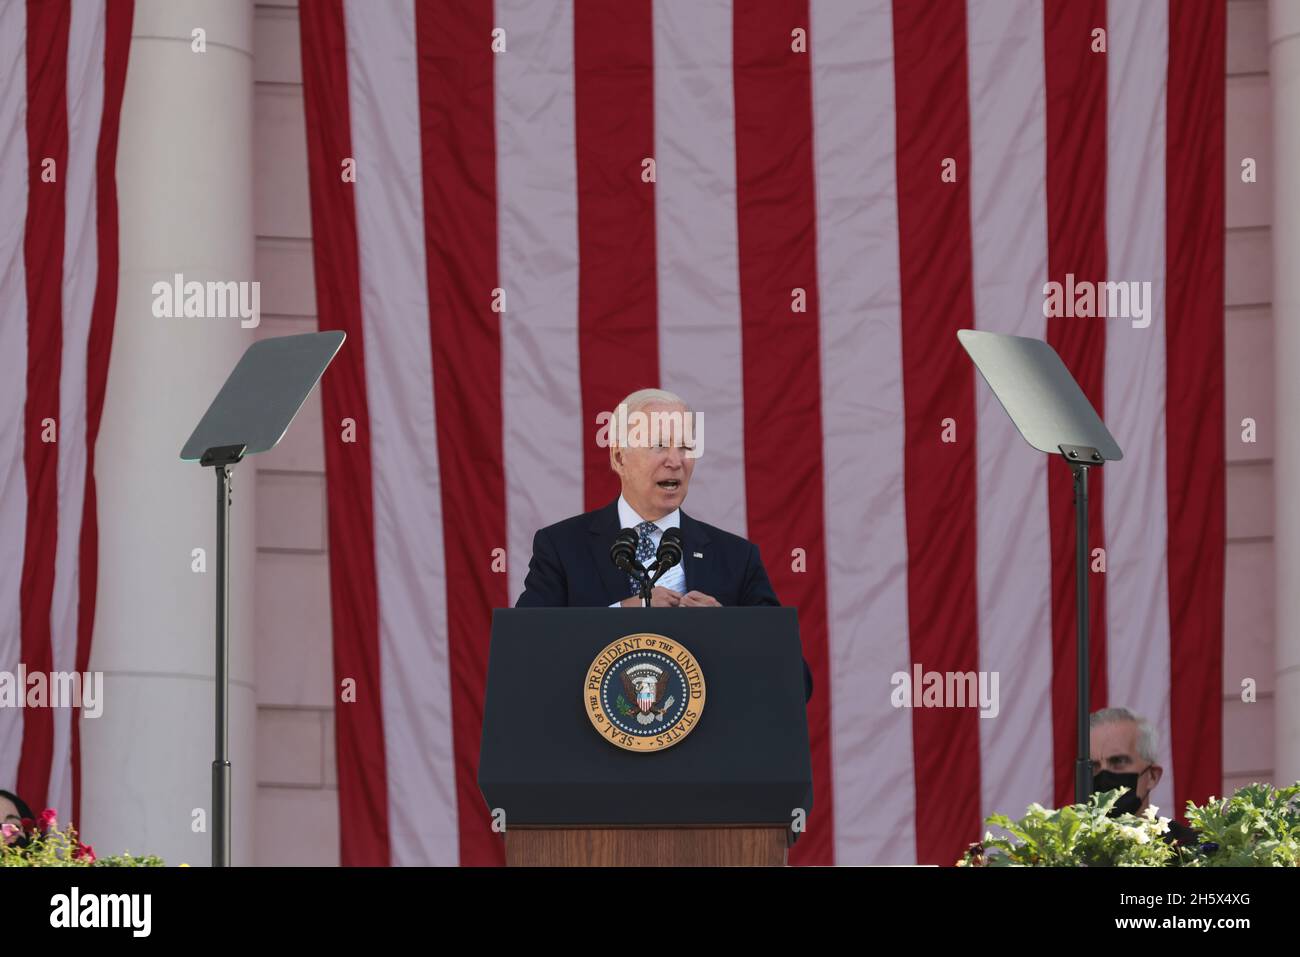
(62, 71)
(508, 263)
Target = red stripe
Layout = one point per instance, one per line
(117, 46)
(47, 138)
(458, 151)
(613, 58)
(1195, 406)
(776, 220)
(1076, 243)
(938, 383)
(358, 725)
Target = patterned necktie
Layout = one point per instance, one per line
(645, 550)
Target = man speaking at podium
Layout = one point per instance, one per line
(571, 563)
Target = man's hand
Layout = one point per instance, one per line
(660, 597)
(697, 599)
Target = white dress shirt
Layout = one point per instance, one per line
(675, 577)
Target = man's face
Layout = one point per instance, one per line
(1113, 747)
(655, 476)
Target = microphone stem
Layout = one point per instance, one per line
(660, 571)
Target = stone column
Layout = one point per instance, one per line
(1284, 74)
(185, 194)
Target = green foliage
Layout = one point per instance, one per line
(49, 845)
(1077, 835)
(127, 860)
(1259, 826)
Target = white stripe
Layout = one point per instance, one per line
(1009, 265)
(80, 274)
(866, 536)
(1137, 596)
(697, 245)
(537, 201)
(13, 357)
(384, 101)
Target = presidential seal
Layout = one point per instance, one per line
(644, 692)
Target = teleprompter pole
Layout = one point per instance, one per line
(1080, 458)
(222, 460)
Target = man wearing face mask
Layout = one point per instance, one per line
(1122, 747)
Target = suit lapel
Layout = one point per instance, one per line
(604, 527)
(699, 571)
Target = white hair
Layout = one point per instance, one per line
(639, 399)
(1146, 733)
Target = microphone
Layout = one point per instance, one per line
(623, 552)
(669, 554)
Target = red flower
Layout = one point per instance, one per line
(29, 824)
(47, 819)
(86, 851)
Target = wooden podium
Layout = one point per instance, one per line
(726, 794)
(740, 846)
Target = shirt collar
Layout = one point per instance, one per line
(628, 517)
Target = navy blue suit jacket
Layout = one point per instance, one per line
(571, 567)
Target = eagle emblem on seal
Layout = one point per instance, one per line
(645, 693)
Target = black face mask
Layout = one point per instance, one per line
(1128, 802)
